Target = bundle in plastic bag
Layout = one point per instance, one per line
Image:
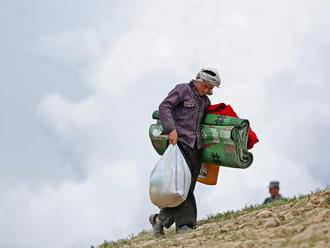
(170, 179)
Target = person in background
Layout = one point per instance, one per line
(274, 191)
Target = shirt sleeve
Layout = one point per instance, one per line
(166, 107)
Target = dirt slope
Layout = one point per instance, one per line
(298, 222)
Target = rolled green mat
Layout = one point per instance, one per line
(158, 140)
(216, 120)
(224, 140)
(225, 146)
(221, 120)
(155, 115)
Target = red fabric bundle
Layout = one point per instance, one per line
(227, 110)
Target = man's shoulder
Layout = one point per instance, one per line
(268, 200)
(182, 88)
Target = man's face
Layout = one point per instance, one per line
(203, 89)
(274, 192)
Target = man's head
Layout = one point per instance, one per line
(274, 189)
(205, 81)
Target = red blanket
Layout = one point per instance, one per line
(227, 110)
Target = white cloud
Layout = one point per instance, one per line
(83, 46)
(65, 116)
(76, 214)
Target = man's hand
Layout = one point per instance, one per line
(173, 137)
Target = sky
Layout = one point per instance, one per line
(80, 79)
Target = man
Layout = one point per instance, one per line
(274, 189)
(181, 114)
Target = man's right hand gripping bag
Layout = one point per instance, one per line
(170, 179)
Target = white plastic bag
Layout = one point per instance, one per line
(170, 179)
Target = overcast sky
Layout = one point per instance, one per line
(80, 79)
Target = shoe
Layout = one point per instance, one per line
(158, 229)
(184, 229)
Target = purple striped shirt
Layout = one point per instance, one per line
(183, 110)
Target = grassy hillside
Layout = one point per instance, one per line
(299, 222)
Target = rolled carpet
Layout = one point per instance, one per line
(224, 140)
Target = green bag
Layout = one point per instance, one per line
(224, 140)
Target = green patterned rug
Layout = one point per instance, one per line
(224, 140)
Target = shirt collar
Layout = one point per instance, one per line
(192, 86)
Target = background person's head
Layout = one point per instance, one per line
(205, 81)
(274, 189)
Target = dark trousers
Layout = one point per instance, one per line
(186, 212)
